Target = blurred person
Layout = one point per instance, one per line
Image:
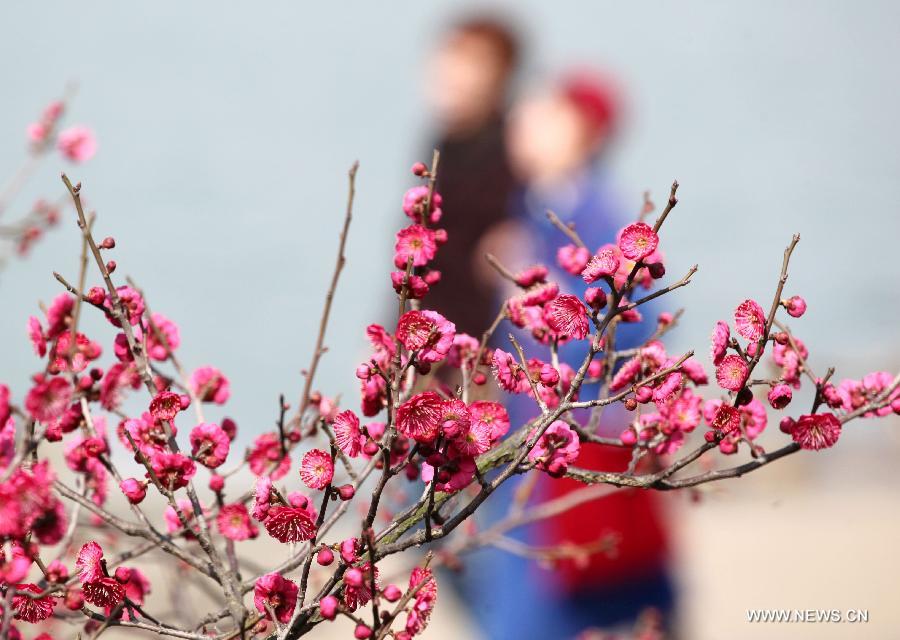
(558, 142)
(467, 86)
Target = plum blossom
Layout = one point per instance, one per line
(426, 332)
(420, 417)
(509, 375)
(29, 607)
(732, 372)
(637, 241)
(750, 320)
(555, 448)
(603, 264)
(573, 258)
(417, 243)
(274, 593)
(209, 445)
(567, 317)
(77, 143)
(234, 522)
(208, 384)
(818, 431)
(720, 338)
(316, 469)
(347, 434)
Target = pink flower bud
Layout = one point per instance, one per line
(111, 266)
(363, 372)
(630, 404)
(362, 632)
(185, 401)
(710, 436)
(796, 306)
(108, 243)
(123, 574)
(96, 295)
(328, 607)
(787, 425)
(666, 318)
(780, 396)
(216, 483)
(628, 437)
(348, 550)
(595, 297)
(325, 556)
(419, 169)
(346, 492)
(479, 378)
(895, 406)
(392, 593)
(354, 577)
(134, 490)
(752, 347)
(643, 394)
(549, 376)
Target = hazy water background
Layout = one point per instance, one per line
(225, 135)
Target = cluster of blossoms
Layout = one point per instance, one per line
(75, 144)
(415, 424)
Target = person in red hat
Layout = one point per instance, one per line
(558, 143)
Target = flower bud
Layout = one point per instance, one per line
(346, 492)
(216, 483)
(781, 338)
(549, 376)
(354, 577)
(643, 394)
(123, 574)
(657, 270)
(348, 550)
(362, 632)
(631, 404)
(419, 169)
(325, 556)
(780, 396)
(479, 378)
(744, 397)
(111, 266)
(363, 371)
(796, 306)
(628, 437)
(787, 425)
(666, 318)
(108, 243)
(710, 436)
(96, 295)
(595, 297)
(328, 607)
(392, 593)
(134, 490)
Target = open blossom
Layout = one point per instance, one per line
(720, 338)
(357, 595)
(148, 434)
(604, 264)
(290, 524)
(555, 449)
(455, 475)
(316, 469)
(572, 258)
(88, 564)
(164, 339)
(750, 320)
(234, 522)
(493, 414)
(509, 375)
(266, 457)
(48, 398)
(474, 441)
(165, 405)
(347, 433)
(427, 332)
(29, 607)
(36, 334)
(567, 316)
(209, 385)
(275, 593)
(130, 300)
(818, 431)
(172, 469)
(732, 372)
(416, 242)
(75, 358)
(424, 601)
(637, 241)
(77, 143)
(209, 445)
(789, 360)
(98, 588)
(414, 203)
(726, 418)
(420, 417)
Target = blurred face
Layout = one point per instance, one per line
(466, 82)
(548, 139)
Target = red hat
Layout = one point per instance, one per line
(595, 96)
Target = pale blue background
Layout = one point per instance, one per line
(225, 135)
